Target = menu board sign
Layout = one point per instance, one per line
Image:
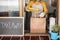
(12, 26)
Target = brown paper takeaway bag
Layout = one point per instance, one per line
(38, 25)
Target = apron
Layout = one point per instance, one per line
(40, 7)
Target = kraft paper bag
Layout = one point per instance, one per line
(38, 25)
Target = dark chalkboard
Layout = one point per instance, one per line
(11, 26)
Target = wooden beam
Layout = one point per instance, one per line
(58, 12)
(21, 8)
(22, 3)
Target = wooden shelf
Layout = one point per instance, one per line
(36, 34)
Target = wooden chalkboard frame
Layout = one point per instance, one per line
(23, 26)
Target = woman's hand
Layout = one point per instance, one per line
(32, 9)
(35, 10)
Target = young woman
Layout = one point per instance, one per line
(37, 7)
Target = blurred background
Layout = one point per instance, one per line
(9, 8)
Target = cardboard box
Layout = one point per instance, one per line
(38, 25)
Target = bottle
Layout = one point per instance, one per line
(52, 20)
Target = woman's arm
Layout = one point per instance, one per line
(29, 7)
(45, 7)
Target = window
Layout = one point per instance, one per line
(9, 8)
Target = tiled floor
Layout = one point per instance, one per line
(26, 38)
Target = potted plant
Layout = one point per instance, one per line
(54, 32)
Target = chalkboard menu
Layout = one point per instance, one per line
(11, 26)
